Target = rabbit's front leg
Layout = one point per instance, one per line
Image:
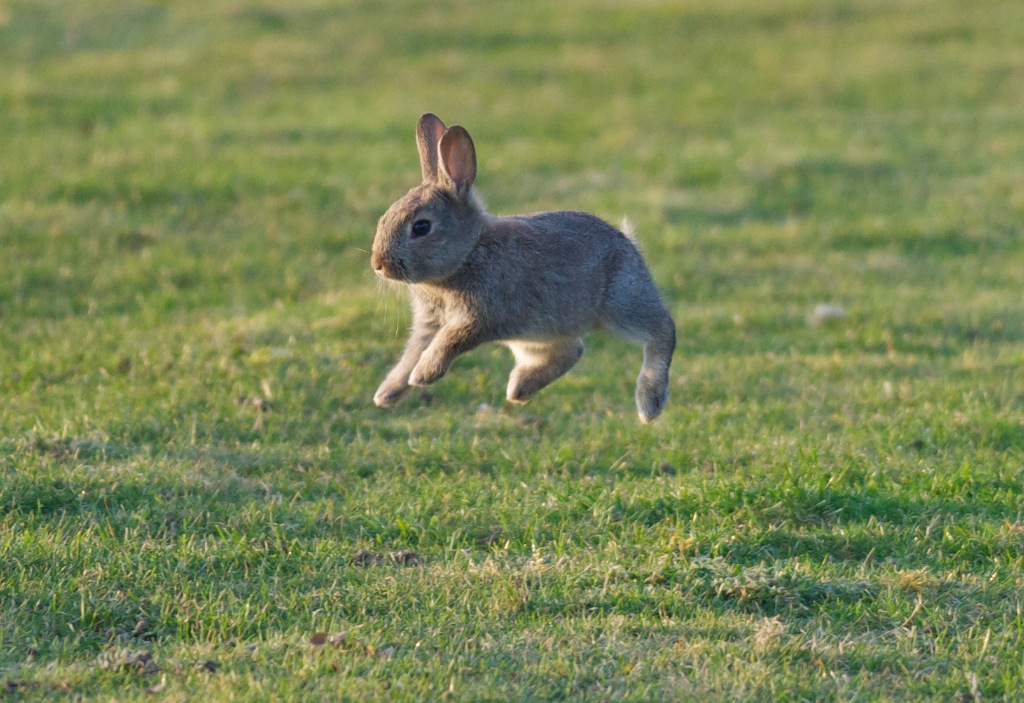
(451, 340)
(396, 384)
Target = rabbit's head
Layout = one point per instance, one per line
(427, 234)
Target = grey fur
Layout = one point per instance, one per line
(536, 283)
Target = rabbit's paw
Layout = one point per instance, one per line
(389, 393)
(426, 372)
(651, 397)
(524, 385)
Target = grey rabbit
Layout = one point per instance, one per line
(536, 283)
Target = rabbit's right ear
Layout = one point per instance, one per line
(428, 134)
(457, 169)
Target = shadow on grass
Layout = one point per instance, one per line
(769, 566)
(843, 526)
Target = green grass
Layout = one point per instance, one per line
(190, 338)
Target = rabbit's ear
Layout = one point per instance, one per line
(428, 134)
(458, 161)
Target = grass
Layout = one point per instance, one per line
(191, 336)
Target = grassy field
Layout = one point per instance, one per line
(198, 499)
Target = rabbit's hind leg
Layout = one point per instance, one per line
(634, 311)
(652, 383)
(540, 363)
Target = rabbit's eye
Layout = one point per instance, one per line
(420, 228)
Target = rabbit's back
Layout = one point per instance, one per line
(542, 275)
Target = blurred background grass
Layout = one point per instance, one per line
(174, 167)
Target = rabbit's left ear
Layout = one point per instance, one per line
(428, 134)
(457, 169)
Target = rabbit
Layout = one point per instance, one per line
(535, 283)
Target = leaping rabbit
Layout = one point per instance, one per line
(535, 283)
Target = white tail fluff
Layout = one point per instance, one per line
(627, 229)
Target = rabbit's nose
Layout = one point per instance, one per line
(385, 265)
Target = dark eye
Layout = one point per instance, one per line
(420, 228)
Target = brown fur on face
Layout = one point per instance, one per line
(536, 283)
(455, 228)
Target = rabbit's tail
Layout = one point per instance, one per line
(627, 229)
